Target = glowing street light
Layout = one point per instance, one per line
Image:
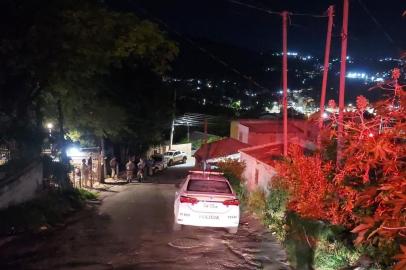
(50, 126)
(73, 152)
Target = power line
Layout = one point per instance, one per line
(208, 53)
(378, 24)
(254, 7)
(271, 12)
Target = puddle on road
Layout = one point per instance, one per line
(186, 243)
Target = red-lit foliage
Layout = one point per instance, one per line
(305, 177)
(366, 192)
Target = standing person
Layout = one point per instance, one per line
(113, 166)
(140, 173)
(130, 170)
(84, 172)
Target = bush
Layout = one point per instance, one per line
(313, 244)
(275, 212)
(233, 170)
(55, 171)
(334, 255)
(257, 202)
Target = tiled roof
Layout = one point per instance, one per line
(220, 148)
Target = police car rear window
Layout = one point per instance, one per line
(209, 186)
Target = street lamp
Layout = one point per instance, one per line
(50, 127)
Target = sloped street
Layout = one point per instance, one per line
(132, 229)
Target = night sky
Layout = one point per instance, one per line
(225, 22)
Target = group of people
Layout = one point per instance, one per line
(130, 169)
(86, 170)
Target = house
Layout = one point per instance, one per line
(261, 131)
(219, 150)
(259, 161)
(266, 139)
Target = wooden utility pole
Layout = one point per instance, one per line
(344, 40)
(285, 80)
(326, 69)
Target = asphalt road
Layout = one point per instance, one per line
(132, 229)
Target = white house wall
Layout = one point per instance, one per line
(243, 132)
(265, 172)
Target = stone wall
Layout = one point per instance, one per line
(22, 186)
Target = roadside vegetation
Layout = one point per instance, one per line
(343, 216)
(48, 210)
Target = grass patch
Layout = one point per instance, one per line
(86, 195)
(48, 210)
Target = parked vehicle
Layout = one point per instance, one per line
(206, 199)
(175, 156)
(159, 163)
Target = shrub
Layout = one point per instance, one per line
(275, 211)
(366, 191)
(233, 170)
(257, 202)
(332, 255)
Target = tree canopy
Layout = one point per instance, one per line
(80, 53)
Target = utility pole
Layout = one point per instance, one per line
(326, 69)
(285, 80)
(205, 131)
(344, 40)
(103, 160)
(188, 131)
(173, 120)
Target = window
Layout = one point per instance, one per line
(256, 176)
(210, 186)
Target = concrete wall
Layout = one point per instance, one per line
(234, 129)
(21, 187)
(243, 133)
(252, 166)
